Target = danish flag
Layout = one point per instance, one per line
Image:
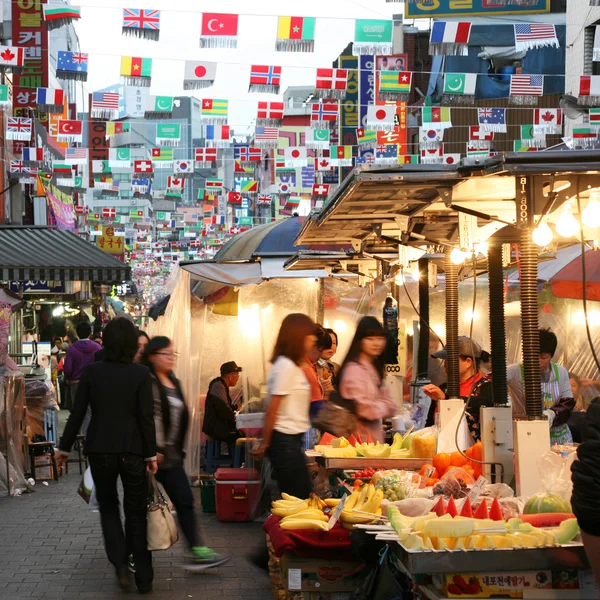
(270, 110)
(332, 79)
(206, 154)
(109, 213)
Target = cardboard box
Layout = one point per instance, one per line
(43, 467)
(320, 575)
(488, 585)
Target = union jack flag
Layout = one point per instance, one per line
(18, 125)
(264, 199)
(17, 166)
(328, 111)
(79, 58)
(134, 18)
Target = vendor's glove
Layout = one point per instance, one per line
(549, 414)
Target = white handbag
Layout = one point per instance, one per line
(161, 528)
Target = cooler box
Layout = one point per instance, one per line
(238, 494)
(251, 423)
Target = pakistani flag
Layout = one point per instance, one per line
(168, 134)
(318, 139)
(530, 139)
(4, 101)
(459, 88)
(161, 215)
(119, 158)
(159, 107)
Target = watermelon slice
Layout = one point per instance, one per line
(326, 439)
(352, 440)
(496, 511)
(546, 519)
(451, 508)
(357, 436)
(440, 508)
(482, 511)
(466, 510)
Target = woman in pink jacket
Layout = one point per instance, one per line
(362, 379)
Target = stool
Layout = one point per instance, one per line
(80, 456)
(44, 446)
(214, 459)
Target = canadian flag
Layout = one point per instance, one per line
(234, 198)
(109, 213)
(332, 79)
(175, 183)
(320, 189)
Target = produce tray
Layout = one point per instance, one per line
(409, 464)
(570, 556)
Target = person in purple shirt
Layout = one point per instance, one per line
(79, 355)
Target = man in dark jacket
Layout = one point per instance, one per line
(219, 417)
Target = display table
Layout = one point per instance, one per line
(406, 464)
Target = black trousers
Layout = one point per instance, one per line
(177, 485)
(106, 469)
(289, 464)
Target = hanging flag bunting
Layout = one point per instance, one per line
(175, 186)
(183, 168)
(531, 139)
(141, 186)
(60, 15)
(583, 137)
(432, 156)
(394, 85)
(101, 166)
(280, 165)
(319, 190)
(594, 117)
(295, 34)
(93, 217)
(267, 137)
(116, 128)
(213, 185)
(547, 120)
(219, 30)
(389, 137)
(4, 99)
(199, 75)
(136, 71)
(372, 36)
(459, 88)
(143, 167)
(480, 138)
(205, 157)
(72, 66)
(331, 83)
(323, 162)
(105, 105)
(596, 47)
(324, 115)
(386, 154)
(589, 90)
(217, 136)
(492, 119)
(340, 156)
(17, 167)
(246, 154)
(249, 186)
(317, 139)
(366, 138)
(475, 151)
(119, 158)
(451, 159)
(103, 182)
(408, 159)
(33, 156)
(264, 200)
(214, 111)
(168, 134)
(162, 158)
(50, 100)
(135, 215)
(521, 146)
(284, 188)
(234, 197)
(62, 168)
(70, 130)
(265, 79)
(12, 59)
(109, 213)
(76, 156)
(141, 23)
(270, 114)
(381, 118)
(295, 156)
(534, 35)
(159, 107)
(436, 116)
(19, 128)
(525, 89)
(430, 137)
(450, 38)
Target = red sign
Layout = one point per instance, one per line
(97, 142)
(29, 33)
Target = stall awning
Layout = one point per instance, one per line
(46, 254)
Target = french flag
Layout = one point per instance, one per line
(450, 33)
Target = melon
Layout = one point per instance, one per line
(546, 503)
(547, 519)
(566, 532)
(407, 442)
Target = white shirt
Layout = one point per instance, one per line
(287, 379)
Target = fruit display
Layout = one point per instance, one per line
(301, 514)
(396, 485)
(424, 443)
(367, 473)
(546, 503)
(364, 499)
(352, 447)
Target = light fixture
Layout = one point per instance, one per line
(415, 272)
(542, 235)
(457, 256)
(481, 248)
(399, 279)
(590, 215)
(58, 311)
(567, 225)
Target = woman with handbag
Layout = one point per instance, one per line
(172, 419)
(362, 379)
(120, 443)
(288, 404)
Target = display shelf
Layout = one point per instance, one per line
(410, 464)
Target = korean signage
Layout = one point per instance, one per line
(29, 32)
(37, 286)
(110, 242)
(349, 116)
(463, 8)
(97, 142)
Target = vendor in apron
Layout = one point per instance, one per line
(557, 397)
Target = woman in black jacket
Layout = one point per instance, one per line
(172, 419)
(120, 442)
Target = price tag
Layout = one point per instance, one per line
(294, 579)
(477, 488)
(337, 512)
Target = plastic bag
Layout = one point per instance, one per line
(396, 486)
(424, 443)
(555, 475)
(384, 582)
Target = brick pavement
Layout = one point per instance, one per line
(51, 548)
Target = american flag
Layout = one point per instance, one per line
(141, 19)
(527, 85)
(266, 133)
(526, 32)
(76, 153)
(107, 100)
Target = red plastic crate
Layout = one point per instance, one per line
(237, 494)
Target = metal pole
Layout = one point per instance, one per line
(453, 389)
(321, 302)
(423, 351)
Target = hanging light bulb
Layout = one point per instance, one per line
(415, 273)
(457, 256)
(481, 248)
(567, 225)
(542, 235)
(591, 213)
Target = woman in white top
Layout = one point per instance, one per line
(288, 398)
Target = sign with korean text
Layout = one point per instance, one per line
(97, 143)
(349, 116)
(463, 8)
(110, 242)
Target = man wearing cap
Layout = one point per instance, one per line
(473, 384)
(219, 417)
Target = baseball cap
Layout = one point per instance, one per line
(466, 347)
(230, 367)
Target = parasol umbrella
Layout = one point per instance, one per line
(568, 282)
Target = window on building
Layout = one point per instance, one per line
(589, 66)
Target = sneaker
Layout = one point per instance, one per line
(202, 557)
(131, 564)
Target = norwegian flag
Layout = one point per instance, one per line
(320, 189)
(270, 114)
(142, 166)
(331, 83)
(109, 213)
(323, 114)
(265, 78)
(248, 154)
(206, 155)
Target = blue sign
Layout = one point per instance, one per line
(37, 287)
(246, 203)
(464, 8)
(366, 87)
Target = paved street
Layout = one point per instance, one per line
(51, 548)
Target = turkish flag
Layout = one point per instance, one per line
(216, 24)
(234, 198)
(70, 127)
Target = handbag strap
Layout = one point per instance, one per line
(153, 489)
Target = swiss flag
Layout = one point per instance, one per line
(234, 198)
(320, 189)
